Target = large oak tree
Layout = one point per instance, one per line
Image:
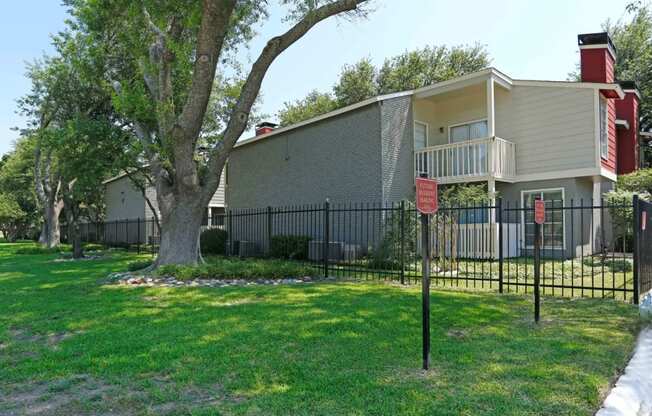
(165, 58)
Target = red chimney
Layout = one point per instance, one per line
(264, 127)
(627, 111)
(597, 57)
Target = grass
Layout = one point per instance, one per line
(70, 345)
(593, 277)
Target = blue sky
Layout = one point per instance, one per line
(525, 39)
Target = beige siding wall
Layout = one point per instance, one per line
(123, 200)
(553, 127)
(442, 111)
(218, 196)
(151, 195)
(217, 200)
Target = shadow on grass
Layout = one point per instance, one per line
(312, 349)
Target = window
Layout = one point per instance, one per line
(604, 128)
(553, 228)
(420, 142)
(468, 160)
(468, 131)
(420, 135)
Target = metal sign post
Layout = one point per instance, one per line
(427, 204)
(539, 219)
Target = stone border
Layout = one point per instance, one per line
(632, 394)
(136, 279)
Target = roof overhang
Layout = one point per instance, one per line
(607, 89)
(635, 92)
(324, 116)
(465, 81)
(121, 175)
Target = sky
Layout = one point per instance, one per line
(525, 40)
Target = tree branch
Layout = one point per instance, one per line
(238, 120)
(210, 40)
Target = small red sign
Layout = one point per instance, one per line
(539, 211)
(643, 220)
(427, 202)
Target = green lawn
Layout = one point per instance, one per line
(70, 345)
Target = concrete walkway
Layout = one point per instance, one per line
(632, 394)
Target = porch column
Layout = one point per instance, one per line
(491, 108)
(491, 190)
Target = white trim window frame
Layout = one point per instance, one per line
(467, 123)
(414, 136)
(603, 109)
(555, 218)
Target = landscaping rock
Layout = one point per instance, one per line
(134, 279)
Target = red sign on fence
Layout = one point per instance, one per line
(427, 202)
(539, 211)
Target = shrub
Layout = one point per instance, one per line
(138, 265)
(293, 247)
(63, 248)
(213, 241)
(93, 247)
(224, 268)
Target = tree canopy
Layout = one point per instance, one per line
(407, 71)
(633, 41)
(179, 90)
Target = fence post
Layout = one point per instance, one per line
(501, 259)
(425, 289)
(637, 246)
(403, 242)
(230, 231)
(325, 248)
(269, 231)
(138, 235)
(537, 271)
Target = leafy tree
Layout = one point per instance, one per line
(633, 41)
(17, 182)
(11, 217)
(162, 60)
(76, 136)
(38, 105)
(407, 71)
(357, 83)
(430, 65)
(314, 104)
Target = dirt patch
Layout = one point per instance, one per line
(457, 333)
(87, 395)
(51, 340)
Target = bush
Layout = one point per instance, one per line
(293, 247)
(63, 248)
(138, 265)
(213, 241)
(223, 268)
(93, 247)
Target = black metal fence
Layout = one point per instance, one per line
(588, 249)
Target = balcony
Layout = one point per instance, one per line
(491, 158)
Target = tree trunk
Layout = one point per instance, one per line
(50, 234)
(180, 229)
(74, 235)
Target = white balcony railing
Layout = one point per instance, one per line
(472, 160)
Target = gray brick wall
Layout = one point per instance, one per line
(397, 149)
(338, 158)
